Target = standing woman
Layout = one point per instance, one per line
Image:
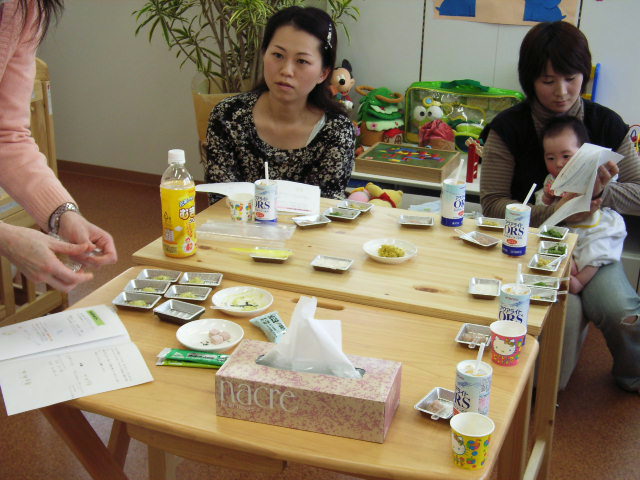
(554, 68)
(290, 119)
(24, 173)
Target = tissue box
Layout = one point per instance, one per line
(354, 408)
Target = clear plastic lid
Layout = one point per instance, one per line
(176, 156)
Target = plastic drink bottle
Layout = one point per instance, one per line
(178, 197)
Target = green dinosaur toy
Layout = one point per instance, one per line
(378, 112)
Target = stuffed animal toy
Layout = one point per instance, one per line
(341, 83)
(372, 193)
(437, 134)
(377, 113)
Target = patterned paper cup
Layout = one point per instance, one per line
(507, 341)
(241, 207)
(470, 438)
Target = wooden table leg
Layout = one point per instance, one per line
(119, 442)
(512, 461)
(83, 441)
(547, 391)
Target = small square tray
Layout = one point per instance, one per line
(124, 299)
(156, 287)
(362, 207)
(488, 222)
(154, 274)
(549, 282)
(341, 214)
(331, 264)
(201, 278)
(551, 248)
(533, 263)
(544, 229)
(438, 403)
(480, 239)
(267, 255)
(309, 221)
(484, 287)
(415, 221)
(175, 311)
(471, 335)
(179, 291)
(543, 295)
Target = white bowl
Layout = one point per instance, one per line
(371, 248)
(233, 300)
(195, 334)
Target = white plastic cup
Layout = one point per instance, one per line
(241, 207)
(516, 229)
(265, 201)
(452, 202)
(514, 303)
(473, 390)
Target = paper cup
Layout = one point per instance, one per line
(470, 438)
(265, 204)
(507, 341)
(452, 203)
(241, 207)
(473, 390)
(516, 229)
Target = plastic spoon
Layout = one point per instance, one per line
(476, 369)
(526, 200)
(266, 170)
(459, 171)
(519, 277)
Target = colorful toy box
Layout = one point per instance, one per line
(354, 408)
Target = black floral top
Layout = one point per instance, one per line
(235, 152)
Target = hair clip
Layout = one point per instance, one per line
(329, 35)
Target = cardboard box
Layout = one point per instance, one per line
(408, 161)
(354, 408)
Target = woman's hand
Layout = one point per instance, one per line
(76, 229)
(605, 173)
(35, 255)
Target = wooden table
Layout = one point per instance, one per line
(434, 283)
(176, 412)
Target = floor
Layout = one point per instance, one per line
(596, 434)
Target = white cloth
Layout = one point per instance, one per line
(600, 237)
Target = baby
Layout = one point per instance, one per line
(601, 236)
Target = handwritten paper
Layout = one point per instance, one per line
(67, 355)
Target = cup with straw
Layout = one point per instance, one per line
(265, 198)
(516, 226)
(452, 199)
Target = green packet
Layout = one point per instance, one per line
(191, 356)
(177, 363)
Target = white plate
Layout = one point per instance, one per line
(232, 298)
(371, 248)
(195, 335)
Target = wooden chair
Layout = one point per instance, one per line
(20, 298)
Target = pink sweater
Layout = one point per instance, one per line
(24, 173)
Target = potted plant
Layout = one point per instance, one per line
(222, 39)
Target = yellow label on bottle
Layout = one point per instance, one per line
(178, 221)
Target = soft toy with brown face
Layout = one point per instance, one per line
(341, 84)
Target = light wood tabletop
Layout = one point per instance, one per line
(176, 412)
(435, 282)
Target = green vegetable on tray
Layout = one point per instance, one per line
(557, 250)
(553, 233)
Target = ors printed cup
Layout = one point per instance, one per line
(470, 438)
(473, 389)
(514, 303)
(516, 229)
(507, 341)
(241, 207)
(452, 202)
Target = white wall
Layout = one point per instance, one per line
(122, 102)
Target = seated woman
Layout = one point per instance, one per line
(554, 68)
(290, 119)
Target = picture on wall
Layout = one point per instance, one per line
(514, 12)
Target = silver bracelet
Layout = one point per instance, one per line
(54, 219)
